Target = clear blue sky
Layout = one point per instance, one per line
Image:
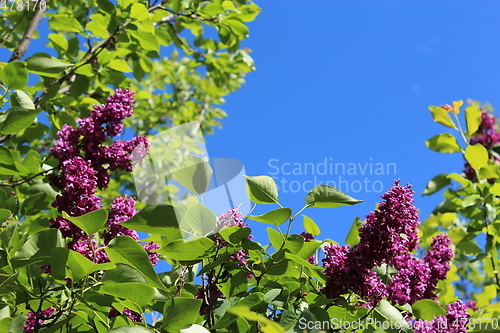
(350, 81)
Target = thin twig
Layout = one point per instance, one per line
(22, 181)
(28, 34)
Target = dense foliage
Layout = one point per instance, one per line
(79, 254)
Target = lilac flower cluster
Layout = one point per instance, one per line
(486, 135)
(455, 321)
(84, 165)
(132, 315)
(307, 238)
(209, 293)
(228, 219)
(388, 237)
(36, 319)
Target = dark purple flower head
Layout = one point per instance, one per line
(455, 321)
(106, 119)
(132, 315)
(390, 233)
(439, 257)
(34, 320)
(154, 257)
(471, 304)
(411, 283)
(79, 181)
(488, 136)
(307, 238)
(122, 209)
(66, 146)
(388, 237)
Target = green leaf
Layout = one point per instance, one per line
(392, 314)
(36, 203)
(5, 214)
(138, 293)
(96, 27)
(477, 156)
(139, 12)
(147, 40)
(59, 42)
(156, 219)
(276, 216)
(123, 273)
(325, 196)
(195, 177)
(65, 22)
(441, 116)
(19, 99)
(437, 183)
(268, 325)
(179, 312)
(197, 248)
(443, 143)
(237, 27)
(195, 328)
(201, 219)
(69, 263)
(427, 309)
(17, 120)
(44, 65)
(91, 222)
(130, 329)
(119, 65)
(473, 118)
(14, 75)
(275, 238)
(262, 189)
(126, 250)
(353, 235)
(86, 70)
(235, 234)
(461, 180)
(38, 248)
(310, 226)
(469, 247)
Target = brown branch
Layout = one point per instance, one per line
(22, 181)
(191, 15)
(28, 34)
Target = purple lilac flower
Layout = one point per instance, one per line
(487, 135)
(438, 259)
(36, 319)
(455, 321)
(132, 315)
(307, 238)
(154, 257)
(346, 274)
(79, 181)
(471, 304)
(231, 218)
(122, 209)
(410, 284)
(84, 165)
(388, 237)
(390, 233)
